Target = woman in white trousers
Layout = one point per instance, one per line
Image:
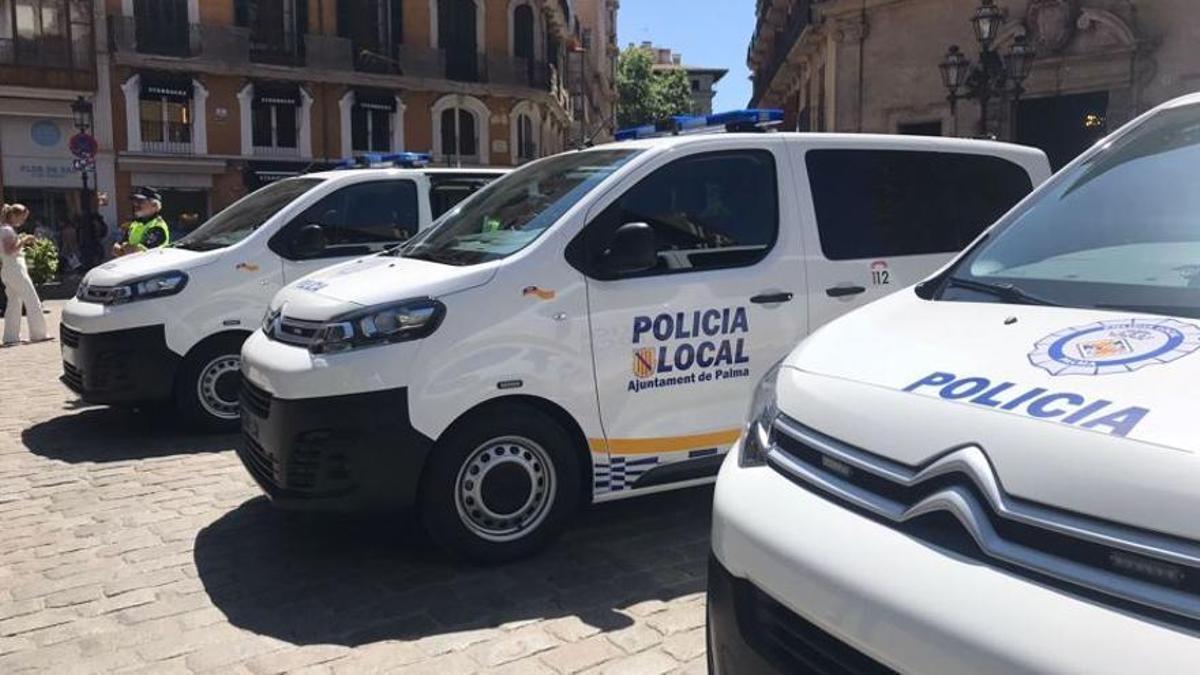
(15, 275)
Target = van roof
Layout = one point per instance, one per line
(928, 143)
(397, 172)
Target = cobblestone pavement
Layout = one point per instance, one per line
(126, 548)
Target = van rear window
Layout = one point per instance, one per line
(885, 203)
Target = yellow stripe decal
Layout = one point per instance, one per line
(654, 446)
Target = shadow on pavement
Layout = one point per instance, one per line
(341, 580)
(117, 434)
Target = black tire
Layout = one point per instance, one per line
(507, 446)
(217, 411)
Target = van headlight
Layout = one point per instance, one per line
(756, 439)
(383, 324)
(157, 286)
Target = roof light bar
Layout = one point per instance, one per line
(754, 119)
(406, 160)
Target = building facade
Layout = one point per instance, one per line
(872, 66)
(212, 99)
(701, 80)
(50, 54)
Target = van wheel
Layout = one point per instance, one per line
(207, 390)
(501, 485)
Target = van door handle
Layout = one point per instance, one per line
(771, 298)
(844, 291)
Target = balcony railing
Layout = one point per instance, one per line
(174, 138)
(225, 44)
(275, 151)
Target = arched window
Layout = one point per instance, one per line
(459, 139)
(460, 130)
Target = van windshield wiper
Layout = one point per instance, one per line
(1005, 291)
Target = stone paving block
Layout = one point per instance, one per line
(678, 619)
(635, 638)
(685, 646)
(572, 658)
(646, 663)
(512, 646)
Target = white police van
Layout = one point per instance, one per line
(168, 324)
(995, 471)
(590, 326)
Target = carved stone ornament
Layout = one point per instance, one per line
(1051, 23)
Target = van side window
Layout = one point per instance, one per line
(708, 211)
(356, 216)
(445, 194)
(884, 203)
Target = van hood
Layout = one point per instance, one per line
(148, 263)
(374, 280)
(1090, 411)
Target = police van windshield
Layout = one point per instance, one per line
(1119, 231)
(509, 214)
(244, 216)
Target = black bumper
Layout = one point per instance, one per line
(750, 632)
(119, 367)
(340, 453)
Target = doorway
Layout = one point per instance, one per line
(1063, 126)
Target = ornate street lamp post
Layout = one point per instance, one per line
(995, 75)
(81, 109)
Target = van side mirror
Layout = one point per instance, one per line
(631, 249)
(309, 241)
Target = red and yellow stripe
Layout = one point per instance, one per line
(654, 446)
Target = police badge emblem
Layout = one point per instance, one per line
(1121, 346)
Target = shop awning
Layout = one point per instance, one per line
(375, 99)
(277, 93)
(172, 86)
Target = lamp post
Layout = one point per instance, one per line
(81, 109)
(995, 75)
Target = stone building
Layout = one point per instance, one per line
(214, 98)
(872, 65)
(701, 79)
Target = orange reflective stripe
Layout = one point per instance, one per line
(653, 446)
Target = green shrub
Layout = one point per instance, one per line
(42, 258)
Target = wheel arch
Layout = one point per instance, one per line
(241, 335)
(548, 407)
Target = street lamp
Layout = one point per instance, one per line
(81, 109)
(995, 75)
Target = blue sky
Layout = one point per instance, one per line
(712, 33)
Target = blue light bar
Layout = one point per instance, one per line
(733, 120)
(407, 160)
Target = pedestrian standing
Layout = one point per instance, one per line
(18, 287)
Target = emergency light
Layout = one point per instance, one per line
(405, 160)
(753, 119)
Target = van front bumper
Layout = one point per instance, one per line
(128, 366)
(899, 602)
(355, 452)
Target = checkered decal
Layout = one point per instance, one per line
(622, 472)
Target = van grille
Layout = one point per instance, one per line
(68, 336)
(956, 501)
(794, 643)
(293, 331)
(256, 400)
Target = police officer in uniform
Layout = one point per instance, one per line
(147, 229)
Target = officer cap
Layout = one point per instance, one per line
(147, 193)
